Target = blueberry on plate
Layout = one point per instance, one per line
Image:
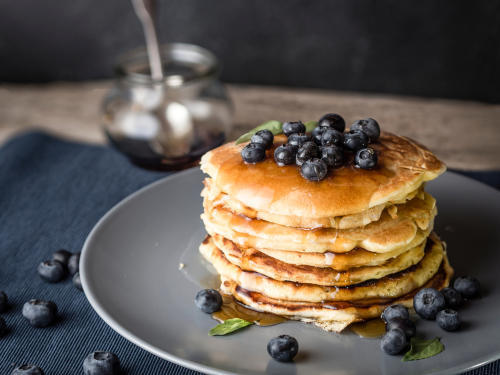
(332, 120)
(52, 271)
(298, 139)
(314, 170)
(428, 302)
(395, 311)
(40, 313)
(101, 363)
(333, 156)
(74, 263)
(285, 154)
(332, 137)
(62, 256)
(263, 137)
(77, 281)
(468, 286)
(452, 297)
(28, 370)
(368, 126)
(293, 127)
(307, 151)
(208, 300)
(317, 133)
(3, 327)
(448, 320)
(366, 158)
(394, 341)
(354, 141)
(406, 325)
(4, 301)
(283, 348)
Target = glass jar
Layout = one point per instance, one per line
(168, 123)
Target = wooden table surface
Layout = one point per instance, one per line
(466, 135)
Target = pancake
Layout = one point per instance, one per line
(212, 193)
(256, 261)
(414, 219)
(389, 287)
(403, 166)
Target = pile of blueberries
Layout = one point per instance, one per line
(282, 348)
(324, 148)
(429, 304)
(42, 314)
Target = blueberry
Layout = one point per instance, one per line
(314, 170)
(3, 327)
(253, 153)
(298, 139)
(448, 320)
(332, 137)
(406, 325)
(28, 370)
(61, 256)
(77, 281)
(51, 271)
(395, 311)
(394, 341)
(208, 300)
(283, 348)
(366, 158)
(101, 363)
(285, 154)
(74, 263)
(468, 286)
(4, 301)
(452, 297)
(307, 151)
(263, 137)
(332, 120)
(40, 313)
(428, 302)
(333, 156)
(317, 133)
(368, 126)
(293, 127)
(355, 141)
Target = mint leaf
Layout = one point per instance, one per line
(273, 126)
(310, 125)
(421, 349)
(230, 325)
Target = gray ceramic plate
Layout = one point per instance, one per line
(130, 273)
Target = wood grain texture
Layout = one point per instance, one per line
(466, 135)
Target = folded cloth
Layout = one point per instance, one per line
(52, 192)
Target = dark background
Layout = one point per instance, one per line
(441, 48)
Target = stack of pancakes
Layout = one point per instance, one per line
(332, 252)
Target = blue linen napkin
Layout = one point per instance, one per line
(52, 192)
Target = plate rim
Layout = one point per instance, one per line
(125, 333)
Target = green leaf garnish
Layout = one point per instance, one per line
(310, 125)
(273, 126)
(421, 349)
(230, 325)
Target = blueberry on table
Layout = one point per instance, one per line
(52, 271)
(285, 154)
(28, 370)
(263, 137)
(40, 313)
(332, 120)
(307, 151)
(208, 300)
(298, 139)
(317, 133)
(4, 301)
(283, 348)
(77, 281)
(395, 311)
(468, 286)
(354, 141)
(368, 126)
(366, 158)
(253, 153)
(314, 170)
(428, 302)
(3, 327)
(74, 263)
(452, 297)
(448, 320)
(333, 156)
(406, 325)
(332, 137)
(293, 127)
(62, 256)
(394, 342)
(101, 363)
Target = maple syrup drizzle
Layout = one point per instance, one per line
(370, 329)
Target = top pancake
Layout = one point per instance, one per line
(403, 166)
